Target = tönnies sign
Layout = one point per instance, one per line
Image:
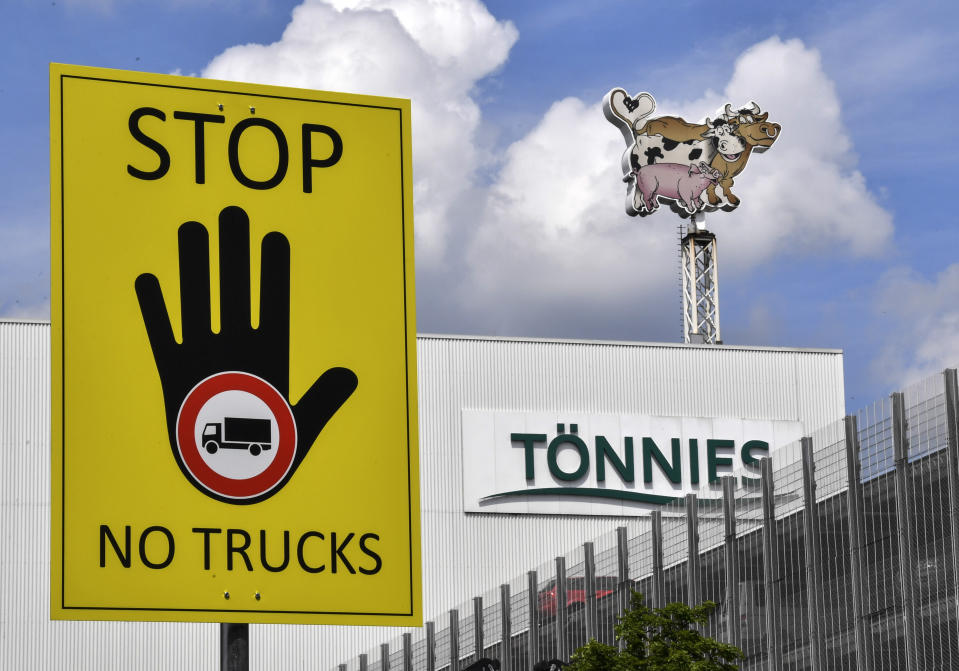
(604, 464)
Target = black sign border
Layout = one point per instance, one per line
(63, 76)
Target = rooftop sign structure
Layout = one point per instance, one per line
(670, 160)
(689, 166)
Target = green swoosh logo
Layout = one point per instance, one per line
(584, 492)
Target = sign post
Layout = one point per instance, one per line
(234, 647)
(234, 405)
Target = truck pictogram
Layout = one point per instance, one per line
(238, 433)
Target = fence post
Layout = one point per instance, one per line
(622, 569)
(659, 580)
(407, 652)
(506, 624)
(692, 545)
(478, 643)
(454, 640)
(770, 566)
(952, 432)
(813, 574)
(731, 561)
(624, 591)
(430, 646)
(532, 595)
(562, 617)
(589, 566)
(905, 516)
(854, 513)
(384, 657)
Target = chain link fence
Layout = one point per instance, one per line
(843, 555)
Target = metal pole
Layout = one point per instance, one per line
(622, 569)
(625, 592)
(698, 221)
(952, 479)
(506, 624)
(589, 566)
(659, 580)
(813, 574)
(407, 652)
(770, 566)
(561, 614)
(478, 643)
(430, 646)
(904, 513)
(692, 545)
(699, 252)
(688, 273)
(234, 647)
(384, 657)
(364, 664)
(694, 296)
(532, 596)
(855, 516)
(717, 336)
(732, 561)
(454, 640)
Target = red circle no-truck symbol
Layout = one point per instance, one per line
(236, 435)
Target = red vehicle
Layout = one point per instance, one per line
(575, 593)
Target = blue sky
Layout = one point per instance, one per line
(846, 237)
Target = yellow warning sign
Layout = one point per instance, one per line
(234, 404)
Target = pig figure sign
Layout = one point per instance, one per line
(670, 160)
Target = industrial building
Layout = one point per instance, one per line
(842, 556)
(687, 472)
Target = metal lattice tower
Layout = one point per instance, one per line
(700, 284)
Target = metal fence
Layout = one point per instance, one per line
(843, 555)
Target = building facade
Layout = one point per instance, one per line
(844, 555)
(467, 551)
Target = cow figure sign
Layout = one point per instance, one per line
(670, 160)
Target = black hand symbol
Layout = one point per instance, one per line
(263, 351)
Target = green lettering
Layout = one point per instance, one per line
(528, 440)
(673, 471)
(553, 449)
(714, 461)
(749, 460)
(605, 451)
(694, 461)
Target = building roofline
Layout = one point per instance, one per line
(560, 341)
(626, 343)
(18, 320)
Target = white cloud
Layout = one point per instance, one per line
(923, 336)
(804, 195)
(555, 233)
(431, 52)
(555, 229)
(549, 235)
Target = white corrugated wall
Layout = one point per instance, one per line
(463, 555)
(28, 639)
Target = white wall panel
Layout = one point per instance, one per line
(28, 639)
(463, 555)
